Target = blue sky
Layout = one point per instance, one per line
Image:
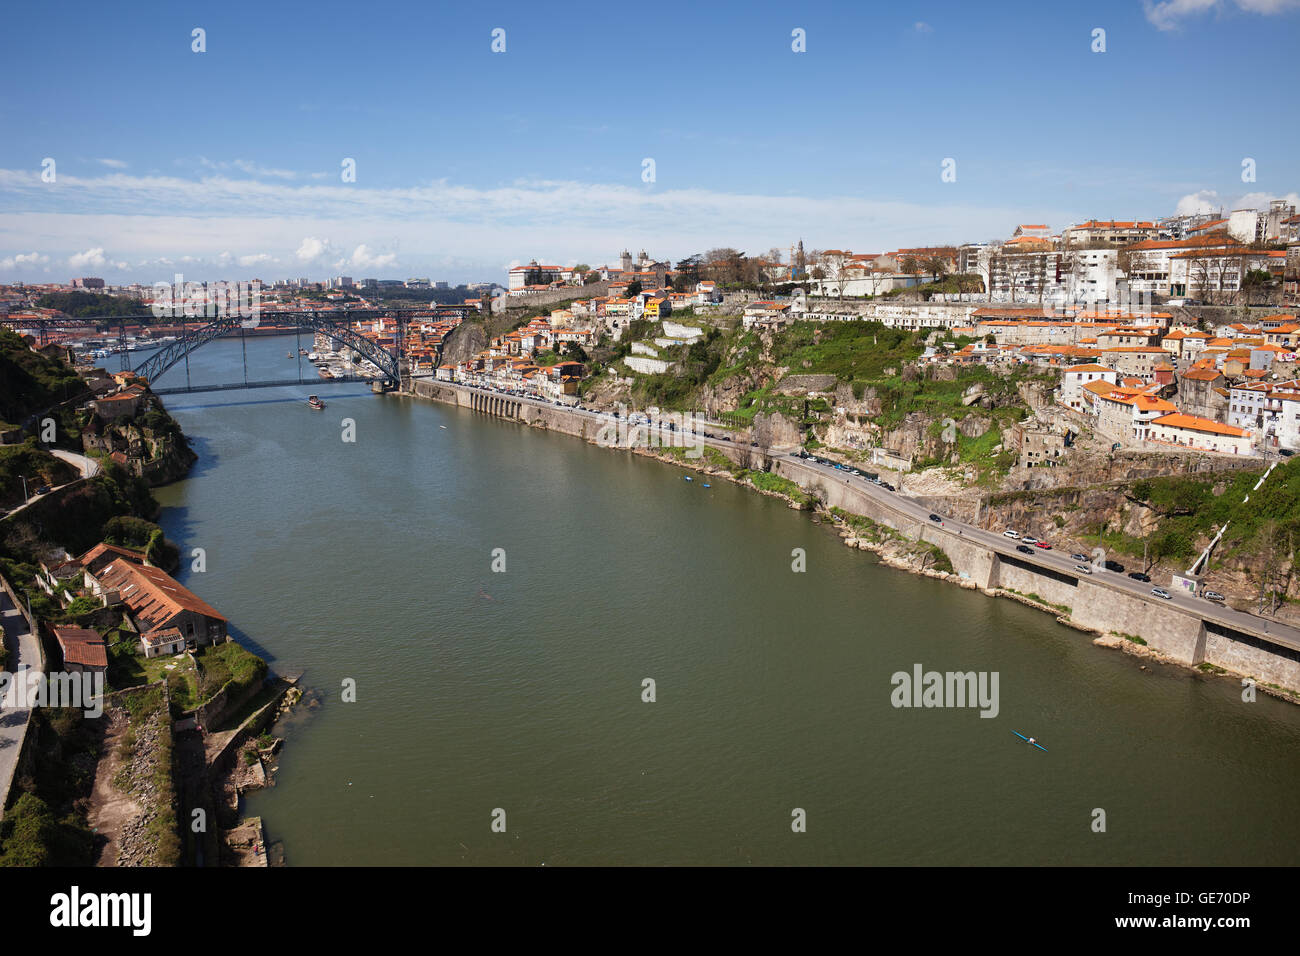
(226, 163)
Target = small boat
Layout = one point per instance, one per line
(442, 426)
(707, 485)
(1030, 740)
(288, 355)
(314, 402)
(689, 478)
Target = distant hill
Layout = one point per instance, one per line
(81, 304)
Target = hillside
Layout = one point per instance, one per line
(29, 381)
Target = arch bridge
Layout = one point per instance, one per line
(334, 324)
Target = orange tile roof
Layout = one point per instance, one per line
(1196, 423)
(153, 594)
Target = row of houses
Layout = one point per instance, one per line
(168, 616)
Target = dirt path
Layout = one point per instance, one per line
(110, 808)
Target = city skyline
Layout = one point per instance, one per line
(469, 161)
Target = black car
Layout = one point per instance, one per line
(1024, 549)
(936, 518)
(887, 486)
(1139, 576)
(1114, 566)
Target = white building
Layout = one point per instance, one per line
(1074, 378)
(1200, 434)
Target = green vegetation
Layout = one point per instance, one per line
(941, 560)
(864, 527)
(146, 706)
(45, 826)
(1134, 639)
(693, 366)
(75, 521)
(128, 531)
(220, 664)
(847, 350)
(1189, 510)
(81, 304)
(33, 836)
(1064, 609)
(959, 282)
(28, 460)
(766, 481)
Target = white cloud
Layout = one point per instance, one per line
(311, 249)
(1261, 200)
(1169, 14)
(114, 163)
(444, 226)
(1267, 7)
(1206, 200)
(1209, 200)
(362, 258)
(246, 166)
(93, 258)
(254, 169)
(23, 260)
(256, 259)
(922, 27)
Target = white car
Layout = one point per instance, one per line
(1027, 539)
(1011, 534)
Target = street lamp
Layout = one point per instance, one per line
(24, 478)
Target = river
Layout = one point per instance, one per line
(522, 690)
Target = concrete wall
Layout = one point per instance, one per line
(1177, 633)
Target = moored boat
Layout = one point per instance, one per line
(315, 402)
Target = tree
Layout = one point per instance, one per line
(912, 266)
(634, 288)
(1254, 282)
(688, 272)
(574, 352)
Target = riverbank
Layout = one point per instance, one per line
(893, 547)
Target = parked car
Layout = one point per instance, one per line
(1083, 569)
(1029, 539)
(1024, 549)
(936, 518)
(1011, 534)
(1115, 566)
(1162, 593)
(1080, 557)
(887, 486)
(43, 490)
(1139, 576)
(1044, 545)
(1213, 596)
